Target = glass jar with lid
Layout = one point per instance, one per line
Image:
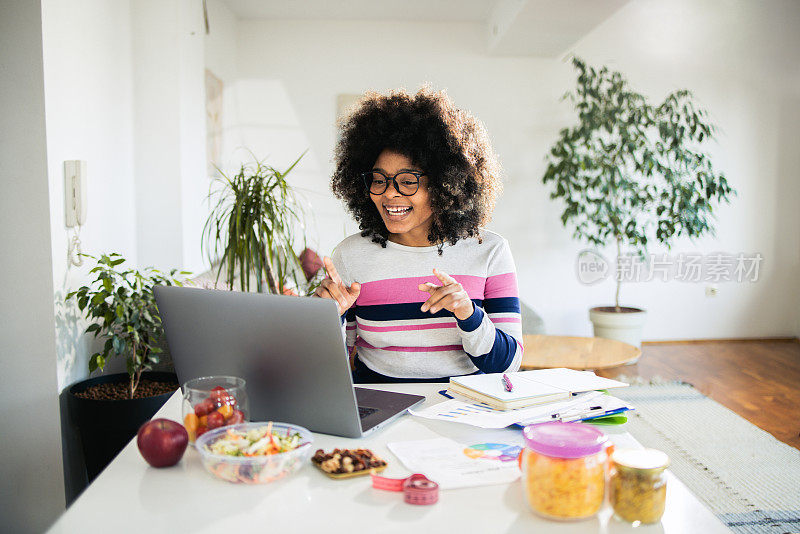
(638, 485)
(564, 469)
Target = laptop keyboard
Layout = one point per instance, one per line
(363, 411)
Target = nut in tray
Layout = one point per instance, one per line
(347, 463)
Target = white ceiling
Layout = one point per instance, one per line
(543, 28)
(421, 10)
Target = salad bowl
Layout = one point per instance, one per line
(255, 453)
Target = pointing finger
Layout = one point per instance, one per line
(331, 270)
(428, 287)
(444, 277)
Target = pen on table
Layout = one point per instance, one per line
(507, 383)
(578, 413)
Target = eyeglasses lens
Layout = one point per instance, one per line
(407, 184)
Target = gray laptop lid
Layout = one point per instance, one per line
(289, 350)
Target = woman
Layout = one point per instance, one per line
(424, 291)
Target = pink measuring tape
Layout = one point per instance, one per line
(417, 489)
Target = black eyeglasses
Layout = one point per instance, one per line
(406, 182)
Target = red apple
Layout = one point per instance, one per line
(162, 442)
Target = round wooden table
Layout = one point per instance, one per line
(543, 352)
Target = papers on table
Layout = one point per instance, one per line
(482, 415)
(529, 387)
(485, 460)
(591, 408)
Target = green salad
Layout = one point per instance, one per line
(257, 442)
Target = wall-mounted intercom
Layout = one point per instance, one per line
(75, 192)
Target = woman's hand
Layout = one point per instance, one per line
(334, 288)
(449, 296)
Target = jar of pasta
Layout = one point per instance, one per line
(638, 485)
(564, 469)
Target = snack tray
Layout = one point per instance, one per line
(354, 473)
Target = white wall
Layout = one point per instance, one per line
(89, 96)
(220, 42)
(31, 483)
(169, 144)
(89, 99)
(123, 91)
(290, 71)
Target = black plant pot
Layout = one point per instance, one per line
(106, 426)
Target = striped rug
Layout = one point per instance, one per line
(749, 479)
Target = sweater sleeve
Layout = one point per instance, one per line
(492, 335)
(348, 318)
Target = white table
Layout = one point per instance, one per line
(130, 496)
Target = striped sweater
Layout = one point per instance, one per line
(396, 339)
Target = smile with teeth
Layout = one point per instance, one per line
(397, 211)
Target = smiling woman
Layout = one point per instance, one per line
(405, 208)
(424, 291)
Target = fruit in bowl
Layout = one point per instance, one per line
(255, 453)
(206, 409)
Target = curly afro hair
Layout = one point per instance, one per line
(450, 145)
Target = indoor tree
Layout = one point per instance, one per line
(630, 171)
(251, 230)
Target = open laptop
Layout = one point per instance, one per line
(289, 350)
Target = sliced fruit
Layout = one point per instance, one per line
(191, 421)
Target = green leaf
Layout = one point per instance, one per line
(97, 361)
(93, 365)
(94, 327)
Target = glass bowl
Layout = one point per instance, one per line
(211, 402)
(255, 469)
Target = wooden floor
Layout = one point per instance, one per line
(759, 380)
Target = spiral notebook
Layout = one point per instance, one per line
(530, 387)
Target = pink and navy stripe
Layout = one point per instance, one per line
(396, 339)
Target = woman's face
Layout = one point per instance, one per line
(411, 226)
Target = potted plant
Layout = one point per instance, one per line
(251, 231)
(121, 308)
(629, 172)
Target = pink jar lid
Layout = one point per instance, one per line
(564, 440)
